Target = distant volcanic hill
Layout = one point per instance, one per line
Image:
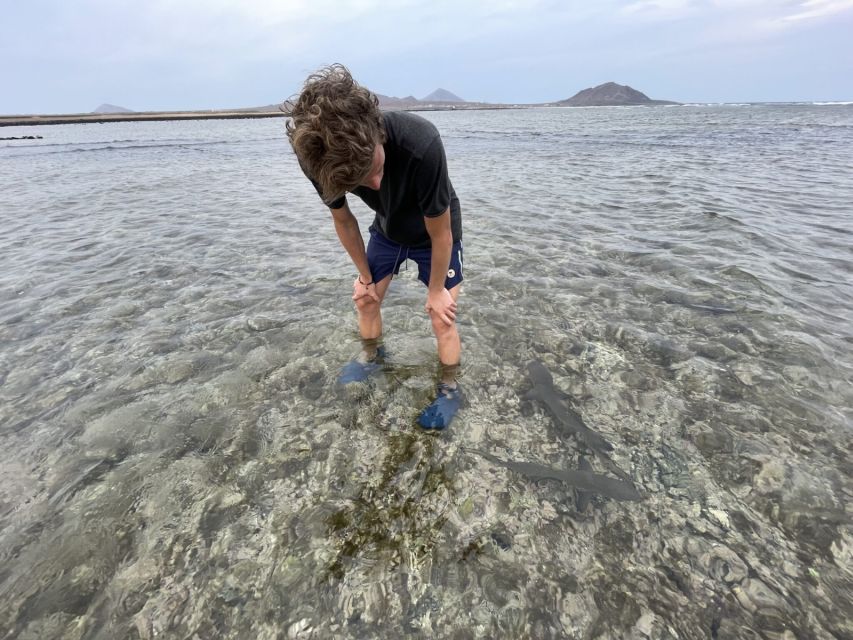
(111, 108)
(399, 103)
(410, 102)
(610, 94)
(442, 95)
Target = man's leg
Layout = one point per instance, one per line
(383, 259)
(369, 311)
(440, 412)
(449, 345)
(369, 315)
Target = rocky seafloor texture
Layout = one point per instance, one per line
(177, 461)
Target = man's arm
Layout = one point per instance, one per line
(346, 226)
(439, 299)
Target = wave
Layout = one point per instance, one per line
(715, 104)
(74, 147)
(759, 104)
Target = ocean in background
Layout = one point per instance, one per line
(177, 461)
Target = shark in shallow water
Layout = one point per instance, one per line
(583, 480)
(564, 417)
(582, 496)
(567, 420)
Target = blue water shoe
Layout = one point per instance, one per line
(441, 411)
(358, 371)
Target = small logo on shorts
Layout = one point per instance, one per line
(451, 273)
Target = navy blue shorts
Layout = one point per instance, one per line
(385, 257)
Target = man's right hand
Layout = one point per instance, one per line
(360, 290)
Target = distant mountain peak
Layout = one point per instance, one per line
(609, 94)
(395, 102)
(111, 108)
(442, 95)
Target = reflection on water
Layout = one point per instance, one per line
(177, 460)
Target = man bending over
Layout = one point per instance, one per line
(395, 163)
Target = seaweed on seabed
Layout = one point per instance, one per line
(391, 516)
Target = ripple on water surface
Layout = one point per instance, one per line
(177, 460)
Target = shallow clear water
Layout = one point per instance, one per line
(177, 461)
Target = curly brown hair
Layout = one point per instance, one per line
(334, 127)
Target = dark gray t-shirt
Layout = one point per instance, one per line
(415, 183)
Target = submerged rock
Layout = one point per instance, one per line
(724, 565)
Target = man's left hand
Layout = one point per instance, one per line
(442, 304)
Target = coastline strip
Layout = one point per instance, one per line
(154, 116)
(100, 118)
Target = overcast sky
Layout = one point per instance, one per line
(63, 56)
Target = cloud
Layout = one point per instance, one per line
(811, 9)
(660, 9)
(760, 13)
(227, 51)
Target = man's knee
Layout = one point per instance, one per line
(367, 306)
(440, 327)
